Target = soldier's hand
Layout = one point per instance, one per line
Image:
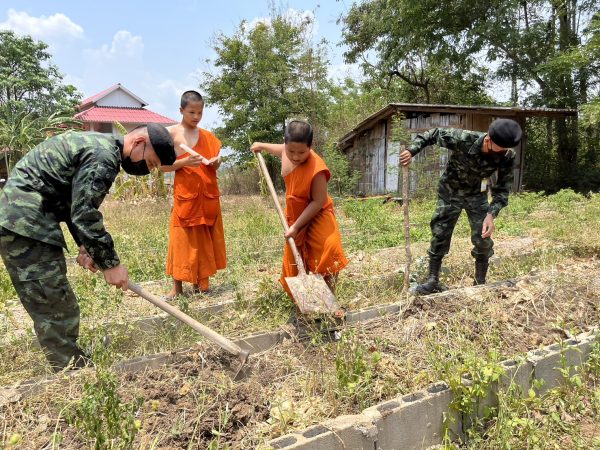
(85, 260)
(117, 276)
(405, 158)
(488, 227)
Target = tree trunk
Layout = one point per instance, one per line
(566, 128)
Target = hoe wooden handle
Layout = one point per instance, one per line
(263, 168)
(215, 337)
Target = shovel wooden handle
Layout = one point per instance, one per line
(265, 172)
(215, 337)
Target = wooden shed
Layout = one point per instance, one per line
(374, 154)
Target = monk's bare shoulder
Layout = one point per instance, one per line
(176, 132)
(287, 166)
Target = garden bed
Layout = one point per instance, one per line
(298, 383)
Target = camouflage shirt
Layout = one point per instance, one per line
(64, 179)
(468, 166)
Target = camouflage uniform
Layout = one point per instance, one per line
(460, 187)
(64, 179)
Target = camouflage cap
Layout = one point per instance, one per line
(162, 143)
(505, 133)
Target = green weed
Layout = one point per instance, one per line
(354, 366)
(101, 414)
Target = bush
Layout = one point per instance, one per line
(240, 180)
(343, 179)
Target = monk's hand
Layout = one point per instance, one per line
(117, 276)
(405, 158)
(193, 161)
(215, 162)
(488, 227)
(85, 260)
(292, 232)
(256, 147)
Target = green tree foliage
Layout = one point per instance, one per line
(28, 80)
(266, 74)
(407, 46)
(21, 130)
(536, 44)
(34, 103)
(588, 56)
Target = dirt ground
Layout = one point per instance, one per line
(194, 403)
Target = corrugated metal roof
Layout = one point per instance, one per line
(104, 114)
(503, 111)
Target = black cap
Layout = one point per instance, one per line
(163, 143)
(505, 133)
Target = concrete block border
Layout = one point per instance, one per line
(254, 343)
(415, 421)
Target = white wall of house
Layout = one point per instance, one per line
(120, 99)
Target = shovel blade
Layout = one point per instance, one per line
(312, 295)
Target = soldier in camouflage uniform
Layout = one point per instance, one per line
(65, 179)
(474, 157)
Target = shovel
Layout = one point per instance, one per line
(310, 291)
(213, 336)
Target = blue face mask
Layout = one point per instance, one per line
(138, 168)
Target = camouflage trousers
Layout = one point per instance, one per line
(448, 209)
(39, 274)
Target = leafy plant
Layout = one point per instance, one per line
(343, 179)
(224, 418)
(354, 367)
(103, 416)
(21, 129)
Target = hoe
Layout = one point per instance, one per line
(208, 333)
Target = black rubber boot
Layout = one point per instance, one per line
(481, 268)
(432, 285)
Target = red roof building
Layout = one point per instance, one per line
(117, 104)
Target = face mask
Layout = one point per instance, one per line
(138, 168)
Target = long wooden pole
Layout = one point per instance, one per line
(405, 200)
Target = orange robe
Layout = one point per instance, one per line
(196, 237)
(319, 242)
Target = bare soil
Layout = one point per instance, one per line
(194, 402)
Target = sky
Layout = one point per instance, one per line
(157, 51)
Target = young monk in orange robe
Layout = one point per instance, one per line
(196, 237)
(309, 208)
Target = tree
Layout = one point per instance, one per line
(587, 57)
(526, 39)
(430, 68)
(267, 74)
(33, 101)
(21, 130)
(28, 80)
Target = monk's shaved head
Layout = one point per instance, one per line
(299, 131)
(189, 97)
